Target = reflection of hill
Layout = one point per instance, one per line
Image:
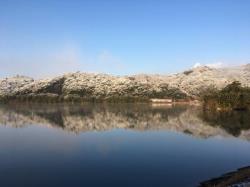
(100, 117)
(234, 122)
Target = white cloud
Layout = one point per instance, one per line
(211, 65)
(66, 59)
(105, 58)
(196, 65)
(215, 65)
(41, 65)
(103, 62)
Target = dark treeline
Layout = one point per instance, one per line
(233, 97)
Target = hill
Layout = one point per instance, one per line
(95, 87)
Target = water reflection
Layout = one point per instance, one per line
(234, 122)
(179, 146)
(141, 117)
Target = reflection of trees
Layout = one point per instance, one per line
(58, 114)
(232, 121)
(89, 117)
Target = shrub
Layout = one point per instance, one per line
(233, 96)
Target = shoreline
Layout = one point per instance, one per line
(94, 100)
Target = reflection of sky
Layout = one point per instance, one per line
(115, 157)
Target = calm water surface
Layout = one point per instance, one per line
(118, 145)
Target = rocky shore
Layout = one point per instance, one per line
(102, 87)
(236, 178)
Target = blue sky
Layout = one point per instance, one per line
(49, 37)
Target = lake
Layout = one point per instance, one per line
(119, 144)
